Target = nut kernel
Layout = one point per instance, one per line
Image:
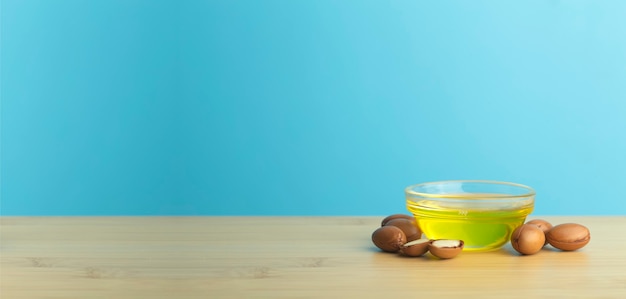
(446, 249)
(415, 248)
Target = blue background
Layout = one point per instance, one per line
(320, 107)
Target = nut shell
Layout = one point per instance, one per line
(446, 249)
(396, 216)
(569, 236)
(409, 227)
(545, 226)
(388, 238)
(415, 248)
(528, 239)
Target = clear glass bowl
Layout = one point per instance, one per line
(481, 213)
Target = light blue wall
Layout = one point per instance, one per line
(316, 107)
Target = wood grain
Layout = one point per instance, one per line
(283, 257)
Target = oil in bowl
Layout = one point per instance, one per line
(481, 213)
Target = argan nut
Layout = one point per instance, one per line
(409, 227)
(388, 238)
(446, 249)
(396, 216)
(415, 248)
(569, 236)
(528, 239)
(545, 226)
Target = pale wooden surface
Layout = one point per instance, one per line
(283, 257)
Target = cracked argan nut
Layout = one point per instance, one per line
(446, 249)
(528, 239)
(388, 238)
(409, 227)
(415, 248)
(569, 236)
(543, 225)
(396, 216)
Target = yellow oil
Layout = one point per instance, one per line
(480, 229)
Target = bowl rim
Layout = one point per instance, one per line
(530, 191)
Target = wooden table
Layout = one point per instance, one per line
(284, 257)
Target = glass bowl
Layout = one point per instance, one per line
(481, 213)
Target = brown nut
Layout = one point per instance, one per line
(409, 227)
(396, 216)
(545, 226)
(569, 236)
(528, 239)
(388, 238)
(446, 249)
(415, 248)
